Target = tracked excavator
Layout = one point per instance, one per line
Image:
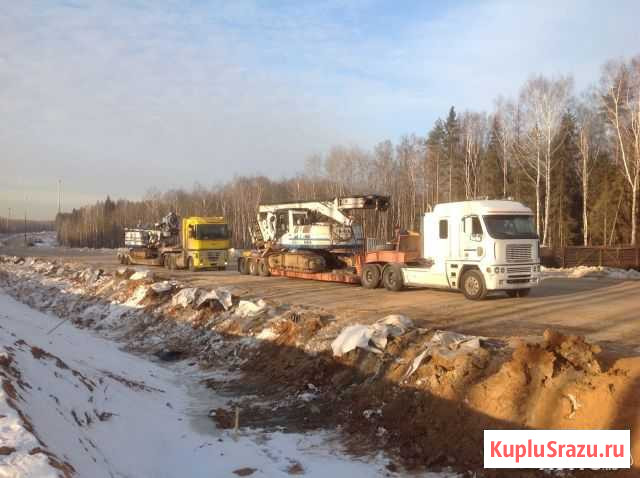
(310, 239)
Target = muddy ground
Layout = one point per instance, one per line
(604, 310)
(428, 413)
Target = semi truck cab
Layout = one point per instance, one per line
(473, 246)
(206, 242)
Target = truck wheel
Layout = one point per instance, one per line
(392, 278)
(371, 276)
(263, 269)
(253, 267)
(191, 265)
(473, 285)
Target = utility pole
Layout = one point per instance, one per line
(59, 192)
(25, 219)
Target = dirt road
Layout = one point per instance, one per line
(605, 310)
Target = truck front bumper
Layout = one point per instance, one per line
(210, 259)
(507, 277)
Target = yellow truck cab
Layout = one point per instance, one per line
(205, 242)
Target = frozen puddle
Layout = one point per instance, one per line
(73, 404)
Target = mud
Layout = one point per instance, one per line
(431, 418)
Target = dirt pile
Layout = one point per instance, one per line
(425, 395)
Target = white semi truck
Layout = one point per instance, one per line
(476, 246)
(473, 246)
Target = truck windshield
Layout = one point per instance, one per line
(510, 227)
(208, 232)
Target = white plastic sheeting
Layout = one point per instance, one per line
(246, 308)
(446, 344)
(370, 337)
(185, 297)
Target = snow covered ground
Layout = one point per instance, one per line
(74, 404)
(591, 272)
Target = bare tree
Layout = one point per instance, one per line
(544, 101)
(506, 114)
(621, 99)
(589, 141)
(474, 132)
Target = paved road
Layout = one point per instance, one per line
(605, 310)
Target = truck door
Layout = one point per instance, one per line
(471, 239)
(441, 238)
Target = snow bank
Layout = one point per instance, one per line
(102, 412)
(590, 272)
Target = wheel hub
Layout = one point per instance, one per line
(473, 286)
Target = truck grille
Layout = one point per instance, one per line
(519, 253)
(519, 270)
(214, 256)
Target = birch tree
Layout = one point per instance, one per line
(621, 100)
(589, 141)
(544, 101)
(474, 131)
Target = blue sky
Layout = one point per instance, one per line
(117, 97)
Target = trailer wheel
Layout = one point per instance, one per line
(371, 275)
(392, 278)
(253, 267)
(263, 269)
(473, 285)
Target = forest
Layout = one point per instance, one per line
(572, 156)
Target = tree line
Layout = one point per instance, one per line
(14, 226)
(574, 158)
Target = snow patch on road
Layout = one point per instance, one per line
(595, 272)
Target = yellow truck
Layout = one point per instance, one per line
(193, 243)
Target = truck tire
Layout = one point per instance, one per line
(253, 267)
(263, 269)
(473, 286)
(371, 275)
(392, 278)
(190, 264)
